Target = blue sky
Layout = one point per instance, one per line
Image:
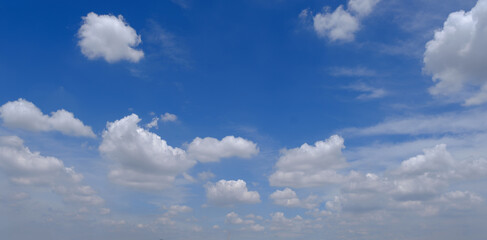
(185, 119)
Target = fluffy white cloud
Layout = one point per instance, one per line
(212, 150)
(342, 24)
(109, 37)
(141, 159)
(227, 193)
(169, 117)
(250, 225)
(310, 166)
(456, 57)
(289, 198)
(338, 25)
(24, 114)
(31, 168)
(153, 123)
(418, 184)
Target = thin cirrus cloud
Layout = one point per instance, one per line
(453, 123)
(25, 115)
(341, 24)
(231, 192)
(110, 38)
(456, 59)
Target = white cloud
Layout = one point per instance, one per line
(212, 150)
(458, 122)
(352, 72)
(362, 7)
(24, 114)
(233, 218)
(109, 37)
(26, 167)
(231, 192)
(368, 92)
(169, 117)
(32, 169)
(342, 24)
(206, 175)
(177, 209)
(288, 198)
(338, 25)
(310, 166)
(153, 123)
(141, 159)
(456, 57)
(420, 184)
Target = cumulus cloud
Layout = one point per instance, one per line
(342, 24)
(420, 183)
(141, 159)
(109, 37)
(212, 150)
(25, 115)
(456, 59)
(250, 225)
(231, 192)
(169, 117)
(310, 166)
(289, 198)
(32, 169)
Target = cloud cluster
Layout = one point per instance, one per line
(141, 159)
(25, 115)
(109, 37)
(342, 24)
(456, 57)
(310, 166)
(289, 198)
(32, 169)
(420, 184)
(212, 150)
(249, 224)
(231, 192)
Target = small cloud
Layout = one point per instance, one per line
(109, 37)
(352, 72)
(153, 123)
(169, 117)
(367, 91)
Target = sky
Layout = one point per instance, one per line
(278, 119)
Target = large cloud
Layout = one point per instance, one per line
(212, 150)
(24, 114)
(109, 37)
(32, 169)
(342, 24)
(422, 184)
(310, 166)
(141, 159)
(456, 56)
(231, 192)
